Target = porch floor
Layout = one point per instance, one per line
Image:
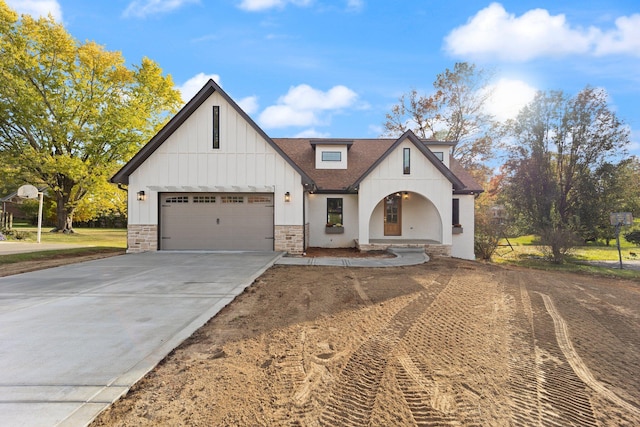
(401, 242)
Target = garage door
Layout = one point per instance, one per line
(216, 221)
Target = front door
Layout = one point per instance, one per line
(393, 215)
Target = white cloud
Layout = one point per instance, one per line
(249, 104)
(189, 88)
(508, 98)
(304, 106)
(312, 133)
(37, 8)
(307, 98)
(143, 8)
(279, 116)
(259, 5)
(495, 33)
(624, 39)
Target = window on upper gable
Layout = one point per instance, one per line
(216, 126)
(406, 161)
(439, 155)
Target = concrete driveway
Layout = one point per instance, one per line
(75, 338)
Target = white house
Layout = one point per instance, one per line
(211, 179)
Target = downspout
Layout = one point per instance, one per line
(304, 223)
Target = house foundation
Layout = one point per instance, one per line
(289, 238)
(142, 238)
(431, 248)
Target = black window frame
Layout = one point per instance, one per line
(216, 127)
(337, 209)
(406, 161)
(455, 212)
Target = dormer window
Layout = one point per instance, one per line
(331, 156)
(331, 153)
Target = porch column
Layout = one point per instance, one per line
(364, 215)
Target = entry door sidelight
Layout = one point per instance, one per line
(393, 215)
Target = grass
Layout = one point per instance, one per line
(89, 240)
(526, 253)
(105, 237)
(56, 254)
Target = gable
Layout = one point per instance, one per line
(409, 136)
(365, 155)
(198, 132)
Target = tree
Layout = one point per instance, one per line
(70, 112)
(453, 112)
(559, 144)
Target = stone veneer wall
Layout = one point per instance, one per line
(142, 238)
(431, 249)
(288, 238)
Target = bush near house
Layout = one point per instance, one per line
(633, 237)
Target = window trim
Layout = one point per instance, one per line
(406, 161)
(216, 127)
(333, 153)
(340, 211)
(455, 212)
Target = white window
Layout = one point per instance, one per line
(331, 156)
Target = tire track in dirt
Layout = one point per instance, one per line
(441, 369)
(563, 395)
(578, 366)
(523, 386)
(353, 395)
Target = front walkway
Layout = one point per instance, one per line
(404, 256)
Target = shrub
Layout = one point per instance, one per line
(557, 243)
(633, 237)
(14, 235)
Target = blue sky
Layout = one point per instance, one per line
(334, 68)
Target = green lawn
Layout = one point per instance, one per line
(526, 253)
(104, 237)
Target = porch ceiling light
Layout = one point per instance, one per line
(141, 196)
(406, 195)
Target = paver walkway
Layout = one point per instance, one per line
(404, 256)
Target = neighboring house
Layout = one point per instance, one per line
(211, 179)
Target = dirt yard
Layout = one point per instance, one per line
(445, 343)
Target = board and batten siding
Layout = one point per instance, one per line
(462, 245)
(388, 177)
(187, 162)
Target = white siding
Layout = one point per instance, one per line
(186, 161)
(317, 218)
(462, 245)
(425, 179)
(342, 164)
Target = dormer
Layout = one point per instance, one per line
(331, 153)
(441, 149)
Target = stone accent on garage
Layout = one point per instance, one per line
(289, 238)
(142, 238)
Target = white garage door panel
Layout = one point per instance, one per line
(215, 221)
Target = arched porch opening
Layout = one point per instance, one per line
(405, 217)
